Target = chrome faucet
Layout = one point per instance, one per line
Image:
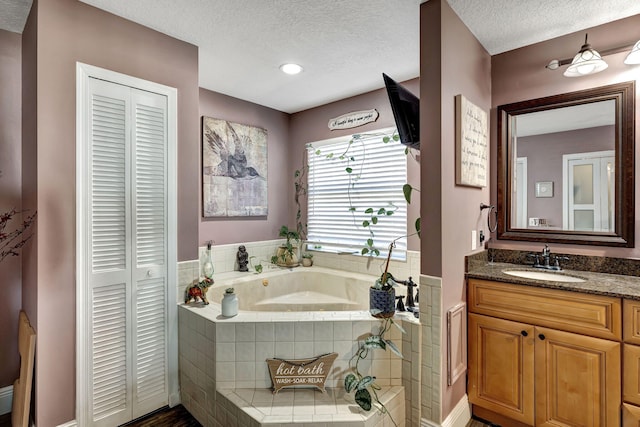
(546, 254)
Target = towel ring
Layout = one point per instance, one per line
(491, 208)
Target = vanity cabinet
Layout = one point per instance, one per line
(543, 357)
(631, 364)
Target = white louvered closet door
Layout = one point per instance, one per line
(127, 253)
(149, 252)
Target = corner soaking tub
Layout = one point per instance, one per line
(297, 290)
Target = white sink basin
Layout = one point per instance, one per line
(543, 275)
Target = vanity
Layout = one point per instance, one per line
(564, 351)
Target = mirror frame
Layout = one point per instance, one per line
(623, 235)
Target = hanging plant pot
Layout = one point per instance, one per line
(382, 302)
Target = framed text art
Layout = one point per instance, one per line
(234, 169)
(472, 130)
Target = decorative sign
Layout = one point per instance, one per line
(471, 143)
(306, 372)
(353, 120)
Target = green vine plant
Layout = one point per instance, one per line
(300, 184)
(365, 386)
(408, 190)
(353, 169)
(257, 266)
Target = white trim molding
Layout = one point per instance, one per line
(6, 399)
(458, 417)
(71, 423)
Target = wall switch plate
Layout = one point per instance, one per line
(474, 240)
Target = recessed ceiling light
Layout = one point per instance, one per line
(291, 68)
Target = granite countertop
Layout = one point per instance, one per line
(614, 285)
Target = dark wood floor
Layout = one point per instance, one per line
(165, 417)
(5, 420)
(176, 417)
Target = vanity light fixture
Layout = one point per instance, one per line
(633, 57)
(587, 61)
(291, 68)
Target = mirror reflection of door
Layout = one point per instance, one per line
(589, 191)
(521, 192)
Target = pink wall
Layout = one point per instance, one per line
(520, 75)
(452, 62)
(311, 126)
(544, 163)
(10, 197)
(226, 230)
(69, 31)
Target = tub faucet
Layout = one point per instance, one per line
(410, 303)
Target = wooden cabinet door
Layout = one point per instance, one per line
(630, 416)
(631, 320)
(501, 365)
(631, 380)
(577, 380)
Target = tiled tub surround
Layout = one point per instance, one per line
(218, 357)
(226, 357)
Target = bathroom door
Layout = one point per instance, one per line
(124, 367)
(589, 186)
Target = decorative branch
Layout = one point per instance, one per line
(11, 242)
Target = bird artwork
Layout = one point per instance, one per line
(234, 169)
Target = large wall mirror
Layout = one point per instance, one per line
(566, 168)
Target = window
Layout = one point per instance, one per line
(352, 180)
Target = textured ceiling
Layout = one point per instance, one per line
(343, 45)
(13, 14)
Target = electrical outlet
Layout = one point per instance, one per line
(474, 240)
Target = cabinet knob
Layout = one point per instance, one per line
(524, 333)
(541, 336)
(148, 273)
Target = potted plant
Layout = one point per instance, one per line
(286, 255)
(364, 386)
(382, 295)
(307, 259)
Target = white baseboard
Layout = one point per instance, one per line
(458, 417)
(6, 399)
(71, 423)
(174, 399)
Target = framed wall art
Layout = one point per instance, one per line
(234, 169)
(472, 143)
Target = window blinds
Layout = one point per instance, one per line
(337, 199)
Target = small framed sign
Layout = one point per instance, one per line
(544, 189)
(301, 372)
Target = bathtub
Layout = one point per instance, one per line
(284, 313)
(301, 289)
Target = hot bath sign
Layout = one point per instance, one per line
(301, 372)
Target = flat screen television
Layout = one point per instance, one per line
(406, 112)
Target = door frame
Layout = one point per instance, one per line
(83, 73)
